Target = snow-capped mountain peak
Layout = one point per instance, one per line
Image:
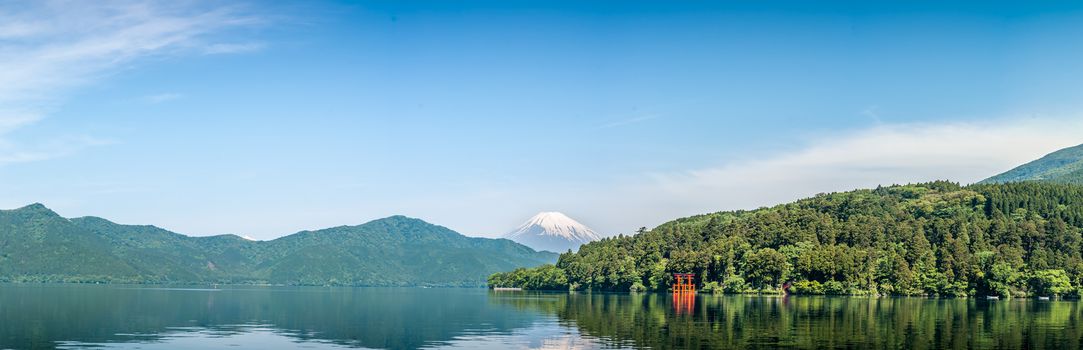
(552, 231)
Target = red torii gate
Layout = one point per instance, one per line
(684, 293)
(684, 283)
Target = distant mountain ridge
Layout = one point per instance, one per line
(36, 244)
(552, 231)
(1063, 166)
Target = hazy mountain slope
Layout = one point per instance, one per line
(552, 231)
(164, 256)
(397, 251)
(1064, 166)
(36, 244)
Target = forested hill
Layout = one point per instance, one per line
(932, 238)
(37, 245)
(1064, 166)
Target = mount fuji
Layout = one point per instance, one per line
(552, 231)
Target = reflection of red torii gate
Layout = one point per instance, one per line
(684, 293)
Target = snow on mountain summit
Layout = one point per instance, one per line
(552, 231)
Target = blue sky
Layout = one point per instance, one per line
(262, 120)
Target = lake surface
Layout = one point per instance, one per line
(141, 317)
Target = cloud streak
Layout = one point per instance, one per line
(217, 49)
(880, 155)
(47, 48)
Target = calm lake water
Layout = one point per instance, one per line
(140, 317)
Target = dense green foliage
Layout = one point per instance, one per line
(37, 245)
(1063, 166)
(935, 238)
(545, 277)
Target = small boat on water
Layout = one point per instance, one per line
(1043, 298)
(506, 289)
(992, 297)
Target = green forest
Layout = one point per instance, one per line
(38, 245)
(1063, 166)
(937, 239)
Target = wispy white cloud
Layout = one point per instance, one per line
(214, 49)
(11, 152)
(17, 29)
(882, 154)
(965, 152)
(14, 118)
(49, 47)
(873, 112)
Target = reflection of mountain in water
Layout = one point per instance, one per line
(39, 316)
(45, 316)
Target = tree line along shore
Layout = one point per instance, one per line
(936, 239)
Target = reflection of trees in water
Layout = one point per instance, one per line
(649, 320)
(37, 316)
